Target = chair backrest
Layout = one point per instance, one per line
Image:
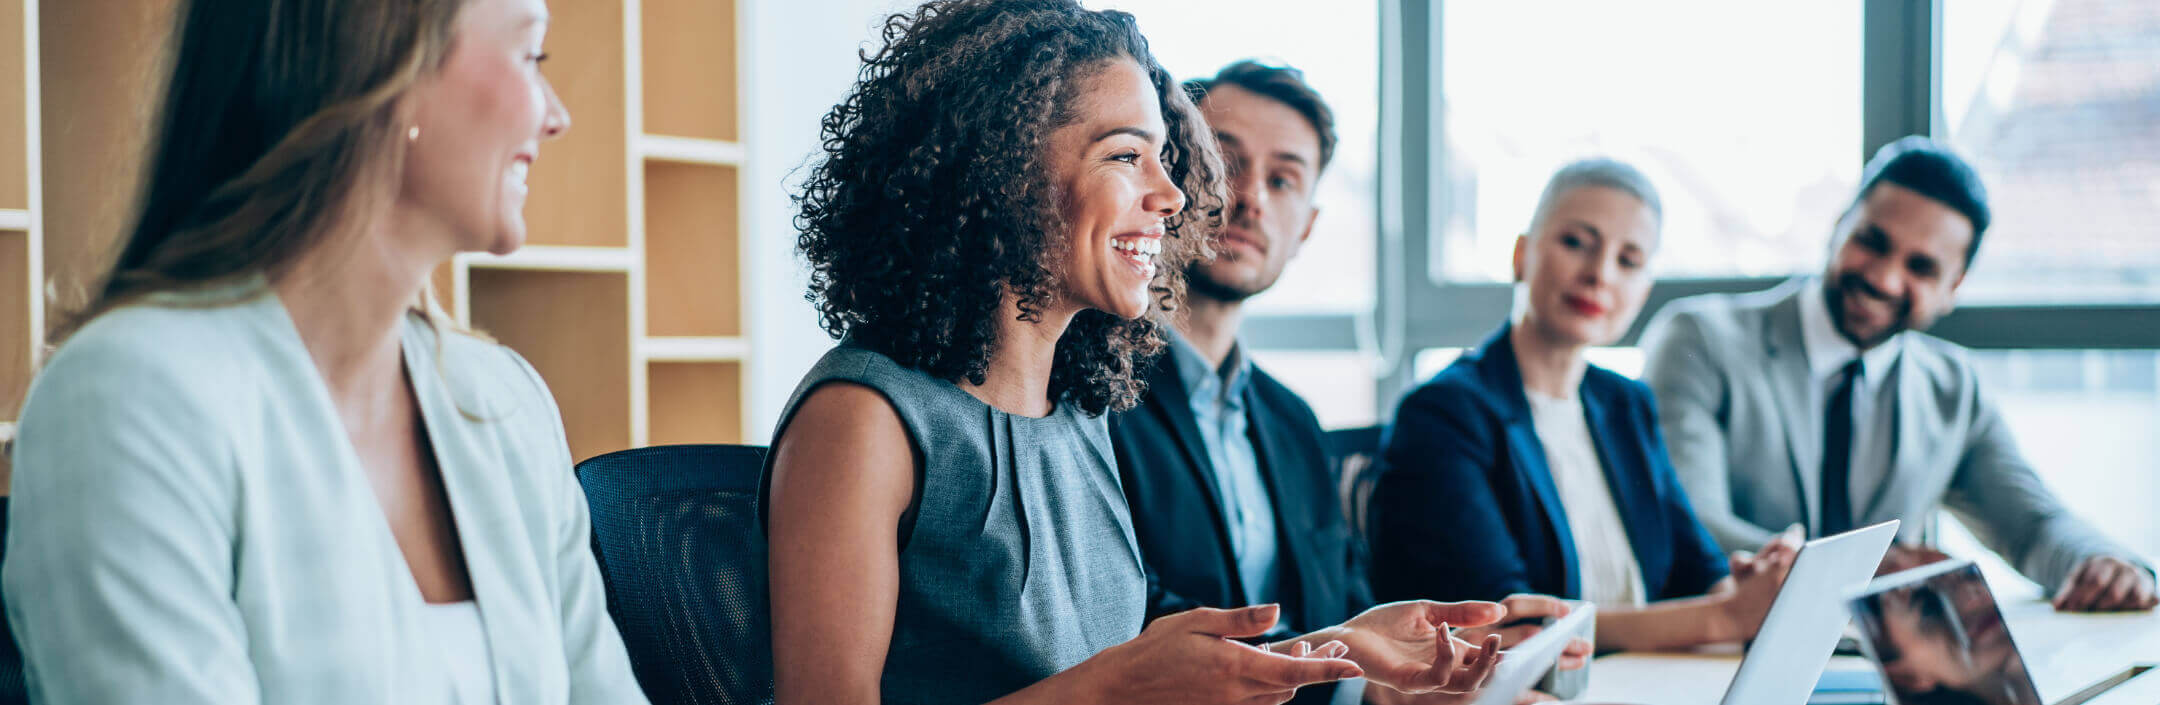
(14, 689)
(676, 532)
(1356, 452)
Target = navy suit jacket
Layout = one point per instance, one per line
(1466, 508)
(1177, 513)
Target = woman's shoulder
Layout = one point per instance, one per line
(854, 362)
(153, 350)
(180, 384)
(905, 388)
(1458, 389)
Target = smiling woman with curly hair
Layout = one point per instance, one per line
(931, 213)
(1005, 202)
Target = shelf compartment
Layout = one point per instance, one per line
(16, 336)
(693, 281)
(695, 402)
(580, 184)
(574, 327)
(14, 107)
(691, 79)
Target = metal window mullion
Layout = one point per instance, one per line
(1901, 71)
(1412, 196)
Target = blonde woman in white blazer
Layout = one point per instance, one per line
(257, 470)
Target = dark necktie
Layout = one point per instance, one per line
(1837, 453)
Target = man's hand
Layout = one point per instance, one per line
(2106, 584)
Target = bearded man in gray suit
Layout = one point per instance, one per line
(1821, 403)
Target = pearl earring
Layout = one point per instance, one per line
(412, 134)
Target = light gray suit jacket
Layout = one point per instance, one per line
(1744, 426)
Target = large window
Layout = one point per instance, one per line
(2057, 102)
(1746, 116)
(1754, 120)
(2086, 419)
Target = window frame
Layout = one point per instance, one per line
(1901, 85)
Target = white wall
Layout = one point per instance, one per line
(803, 57)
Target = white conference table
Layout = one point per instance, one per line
(2064, 652)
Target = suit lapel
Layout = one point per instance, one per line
(1629, 485)
(1797, 406)
(1275, 467)
(1174, 409)
(470, 463)
(1907, 449)
(1527, 453)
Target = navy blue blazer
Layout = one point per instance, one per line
(1466, 508)
(1177, 514)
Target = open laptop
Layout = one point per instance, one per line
(1791, 648)
(1802, 628)
(1937, 636)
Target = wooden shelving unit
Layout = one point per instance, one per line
(22, 318)
(690, 70)
(628, 296)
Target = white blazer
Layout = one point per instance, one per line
(190, 523)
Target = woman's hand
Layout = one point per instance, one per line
(1408, 646)
(1754, 585)
(1192, 657)
(1525, 618)
(1526, 615)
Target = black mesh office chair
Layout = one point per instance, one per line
(13, 689)
(1356, 452)
(677, 535)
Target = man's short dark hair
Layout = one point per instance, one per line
(1285, 85)
(1932, 170)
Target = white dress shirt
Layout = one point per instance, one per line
(1605, 564)
(1874, 412)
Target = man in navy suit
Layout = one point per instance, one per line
(1232, 491)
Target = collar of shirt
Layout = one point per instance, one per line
(1224, 386)
(1828, 350)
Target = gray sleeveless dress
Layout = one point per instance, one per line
(1021, 561)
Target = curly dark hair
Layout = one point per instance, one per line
(931, 201)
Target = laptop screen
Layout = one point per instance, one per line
(1940, 640)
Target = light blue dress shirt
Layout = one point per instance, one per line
(1217, 396)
